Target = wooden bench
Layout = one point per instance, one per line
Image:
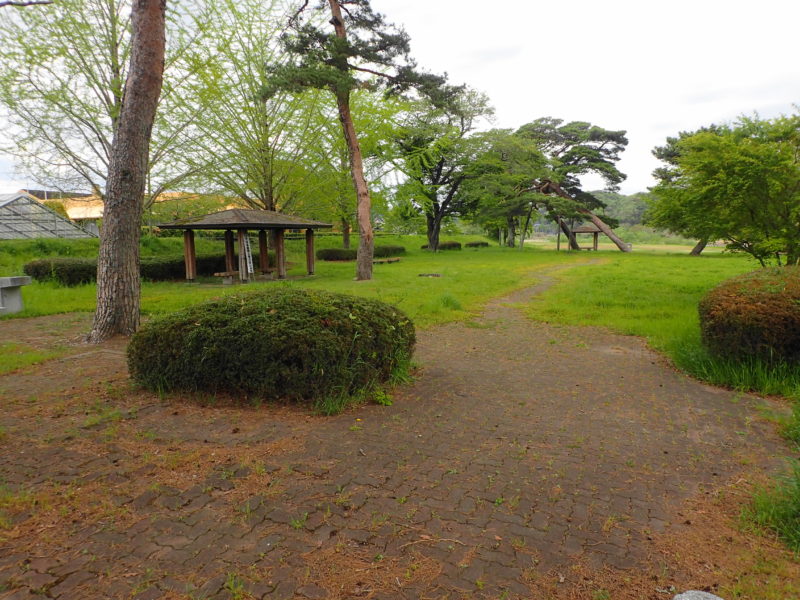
(11, 294)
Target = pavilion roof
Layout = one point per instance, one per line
(242, 218)
(589, 228)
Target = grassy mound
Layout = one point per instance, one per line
(280, 343)
(754, 315)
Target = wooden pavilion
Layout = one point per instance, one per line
(243, 221)
(587, 228)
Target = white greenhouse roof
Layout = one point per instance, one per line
(22, 217)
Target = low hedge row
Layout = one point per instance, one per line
(351, 253)
(75, 271)
(476, 245)
(754, 315)
(277, 343)
(446, 246)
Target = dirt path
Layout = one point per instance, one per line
(523, 457)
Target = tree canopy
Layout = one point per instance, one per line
(739, 183)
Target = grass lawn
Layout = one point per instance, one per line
(656, 297)
(467, 279)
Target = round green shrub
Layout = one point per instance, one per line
(754, 315)
(446, 246)
(279, 343)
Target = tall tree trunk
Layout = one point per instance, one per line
(525, 227)
(573, 241)
(699, 247)
(118, 284)
(434, 223)
(345, 234)
(511, 241)
(606, 229)
(366, 240)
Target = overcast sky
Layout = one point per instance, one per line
(651, 68)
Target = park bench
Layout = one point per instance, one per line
(11, 294)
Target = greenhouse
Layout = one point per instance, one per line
(23, 217)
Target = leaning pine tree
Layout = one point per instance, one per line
(361, 45)
(118, 285)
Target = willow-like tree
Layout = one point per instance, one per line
(118, 284)
(362, 50)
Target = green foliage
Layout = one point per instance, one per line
(77, 271)
(350, 253)
(449, 245)
(436, 148)
(277, 343)
(739, 183)
(627, 210)
(754, 315)
(337, 253)
(778, 508)
(578, 148)
(389, 251)
(66, 271)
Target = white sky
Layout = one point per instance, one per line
(651, 68)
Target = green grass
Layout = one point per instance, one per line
(656, 297)
(15, 356)
(777, 508)
(468, 278)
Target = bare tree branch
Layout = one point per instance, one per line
(30, 3)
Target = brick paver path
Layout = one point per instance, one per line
(520, 447)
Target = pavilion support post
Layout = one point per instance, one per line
(280, 253)
(189, 256)
(310, 251)
(243, 274)
(230, 255)
(596, 237)
(263, 254)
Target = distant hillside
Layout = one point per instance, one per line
(628, 210)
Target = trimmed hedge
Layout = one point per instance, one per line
(754, 315)
(75, 271)
(446, 246)
(351, 253)
(388, 251)
(279, 343)
(476, 245)
(66, 271)
(337, 253)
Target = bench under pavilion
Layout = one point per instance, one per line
(243, 221)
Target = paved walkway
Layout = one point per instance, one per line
(520, 449)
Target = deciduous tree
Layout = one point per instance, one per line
(436, 150)
(740, 183)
